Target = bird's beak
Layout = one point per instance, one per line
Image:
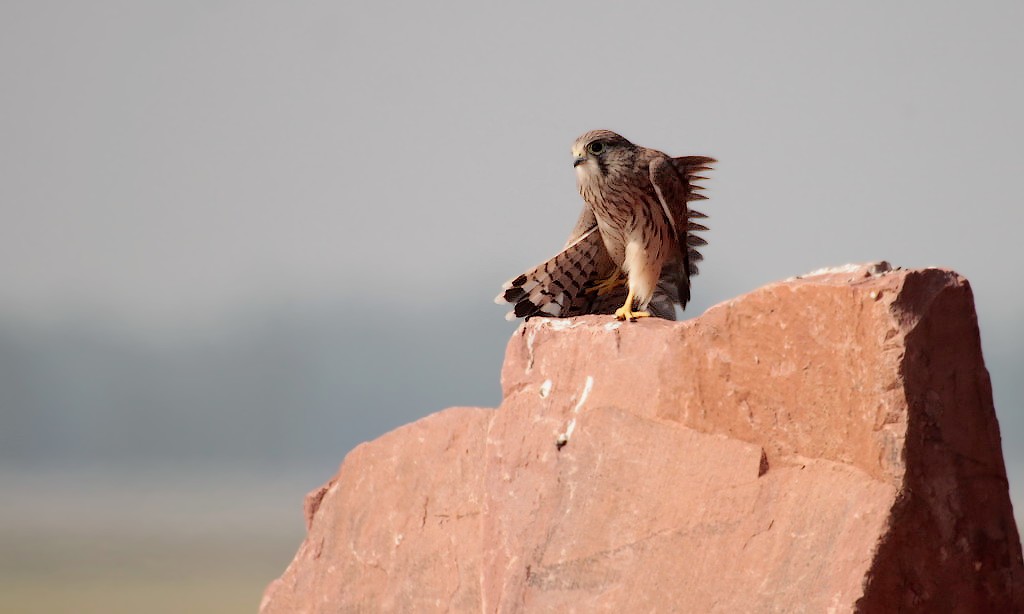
(579, 159)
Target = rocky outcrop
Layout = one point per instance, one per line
(824, 444)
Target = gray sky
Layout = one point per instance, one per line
(170, 166)
(166, 161)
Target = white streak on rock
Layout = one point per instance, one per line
(545, 389)
(586, 392)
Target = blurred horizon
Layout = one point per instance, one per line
(262, 362)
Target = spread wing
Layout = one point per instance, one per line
(559, 286)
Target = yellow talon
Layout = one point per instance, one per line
(626, 311)
(607, 285)
(623, 313)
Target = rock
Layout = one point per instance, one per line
(824, 444)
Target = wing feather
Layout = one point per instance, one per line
(555, 286)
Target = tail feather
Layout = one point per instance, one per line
(691, 168)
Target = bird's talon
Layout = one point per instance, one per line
(623, 313)
(605, 285)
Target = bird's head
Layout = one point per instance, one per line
(594, 151)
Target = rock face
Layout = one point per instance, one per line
(823, 444)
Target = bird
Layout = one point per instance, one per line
(633, 249)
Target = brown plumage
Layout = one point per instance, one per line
(634, 243)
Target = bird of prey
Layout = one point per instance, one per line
(633, 250)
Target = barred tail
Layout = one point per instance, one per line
(689, 167)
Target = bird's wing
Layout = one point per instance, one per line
(673, 180)
(557, 287)
(563, 286)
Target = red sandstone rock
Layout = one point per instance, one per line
(823, 444)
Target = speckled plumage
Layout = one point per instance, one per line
(636, 225)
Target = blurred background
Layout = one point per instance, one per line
(239, 238)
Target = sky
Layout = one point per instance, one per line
(185, 176)
(169, 161)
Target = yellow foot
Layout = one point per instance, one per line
(624, 313)
(606, 285)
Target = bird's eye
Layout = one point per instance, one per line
(596, 148)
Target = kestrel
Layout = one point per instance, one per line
(634, 243)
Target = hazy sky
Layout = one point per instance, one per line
(167, 166)
(168, 160)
